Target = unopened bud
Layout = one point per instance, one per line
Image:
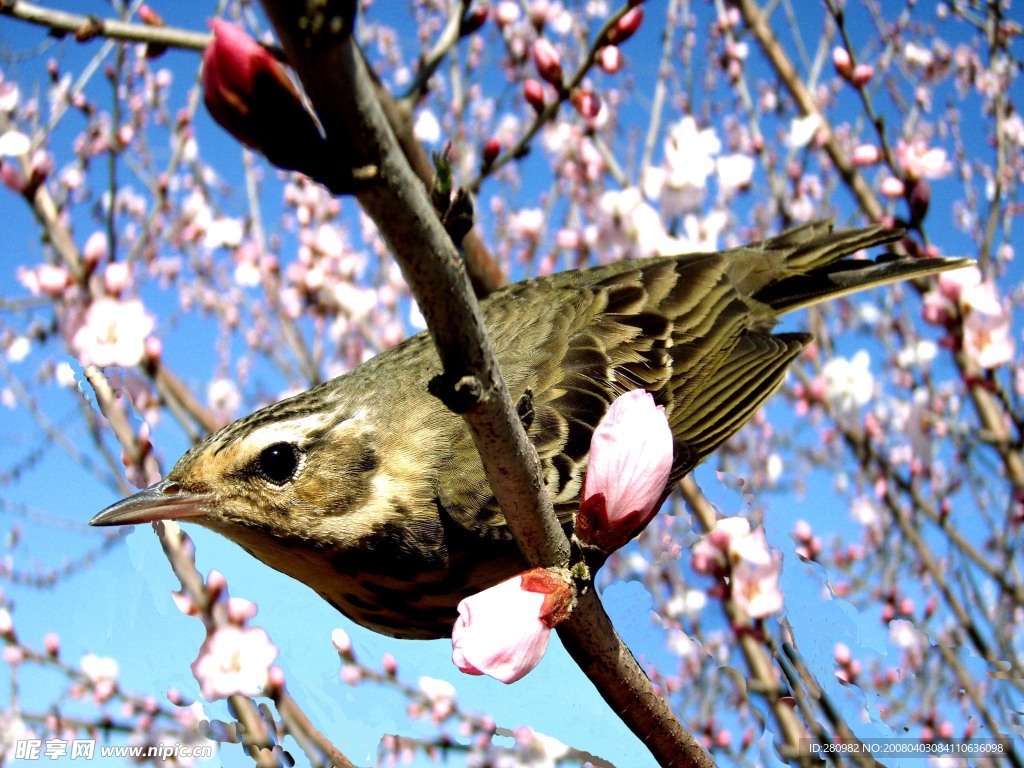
(892, 187)
(548, 61)
(12, 177)
(862, 75)
(150, 17)
(216, 585)
(609, 58)
(865, 154)
(491, 151)
(625, 26)
(473, 20)
(587, 103)
(842, 62)
(533, 91)
(920, 198)
(51, 642)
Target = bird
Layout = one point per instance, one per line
(370, 491)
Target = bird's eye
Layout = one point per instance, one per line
(278, 462)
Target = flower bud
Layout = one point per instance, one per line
(342, 643)
(534, 93)
(12, 177)
(548, 61)
(609, 58)
(503, 631)
(473, 20)
(506, 13)
(95, 250)
(862, 75)
(51, 642)
(892, 187)
(628, 469)
(586, 102)
(842, 62)
(150, 17)
(625, 26)
(920, 198)
(865, 154)
(491, 151)
(248, 92)
(216, 585)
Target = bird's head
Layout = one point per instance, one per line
(285, 473)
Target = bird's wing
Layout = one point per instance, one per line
(676, 327)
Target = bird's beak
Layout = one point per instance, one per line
(164, 501)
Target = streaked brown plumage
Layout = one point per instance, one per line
(368, 490)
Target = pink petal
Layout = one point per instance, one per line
(629, 466)
(500, 632)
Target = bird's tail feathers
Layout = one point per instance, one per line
(840, 278)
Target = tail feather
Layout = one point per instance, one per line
(845, 277)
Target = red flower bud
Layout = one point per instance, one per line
(920, 198)
(625, 26)
(473, 20)
(534, 93)
(251, 96)
(547, 61)
(491, 151)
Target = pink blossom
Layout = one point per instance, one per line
(527, 223)
(732, 549)
(755, 576)
(735, 171)
(427, 128)
(102, 672)
(709, 554)
(52, 280)
(14, 144)
(96, 248)
(503, 631)
(240, 611)
(628, 469)
(234, 660)
(803, 130)
(918, 161)
(988, 338)
(689, 160)
(865, 154)
(117, 277)
(114, 333)
(506, 13)
(987, 321)
(892, 187)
